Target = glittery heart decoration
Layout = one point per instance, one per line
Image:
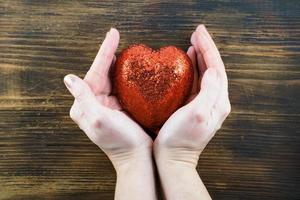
(151, 85)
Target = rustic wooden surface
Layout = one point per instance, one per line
(43, 155)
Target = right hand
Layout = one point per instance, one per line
(99, 114)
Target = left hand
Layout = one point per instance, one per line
(186, 133)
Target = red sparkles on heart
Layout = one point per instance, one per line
(151, 85)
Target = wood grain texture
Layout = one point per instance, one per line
(43, 155)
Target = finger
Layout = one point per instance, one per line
(78, 116)
(209, 93)
(208, 48)
(111, 69)
(76, 113)
(81, 119)
(113, 61)
(109, 101)
(83, 95)
(210, 52)
(222, 107)
(106, 52)
(192, 55)
(97, 76)
(201, 64)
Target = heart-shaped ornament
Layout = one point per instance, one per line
(151, 85)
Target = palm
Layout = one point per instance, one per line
(174, 130)
(109, 101)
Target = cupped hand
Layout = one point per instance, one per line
(186, 133)
(99, 114)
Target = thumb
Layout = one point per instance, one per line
(81, 92)
(209, 93)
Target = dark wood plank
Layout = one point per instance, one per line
(45, 156)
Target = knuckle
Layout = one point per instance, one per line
(199, 116)
(227, 108)
(82, 127)
(94, 137)
(206, 49)
(106, 55)
(75, 113)
(72, 113)
(218, 126)
(224, 111)
(96, 74)
(80, 96)
(224, 107)
(97, 122)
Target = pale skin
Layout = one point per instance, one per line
(179, 142)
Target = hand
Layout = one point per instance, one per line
(99, 114)
(186, 133)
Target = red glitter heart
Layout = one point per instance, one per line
(151, 85)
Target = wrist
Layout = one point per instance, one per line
(175, 157)
(178, 175)
(180, 179)
(134, 173)
(131, 160)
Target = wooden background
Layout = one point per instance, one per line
(43, 155)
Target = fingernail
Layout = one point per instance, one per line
(190, 50)
(109, 31)
(202, 38)
(202, 31)
(201, 28)
(69, 81)
(112, 28)
(193, 39)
